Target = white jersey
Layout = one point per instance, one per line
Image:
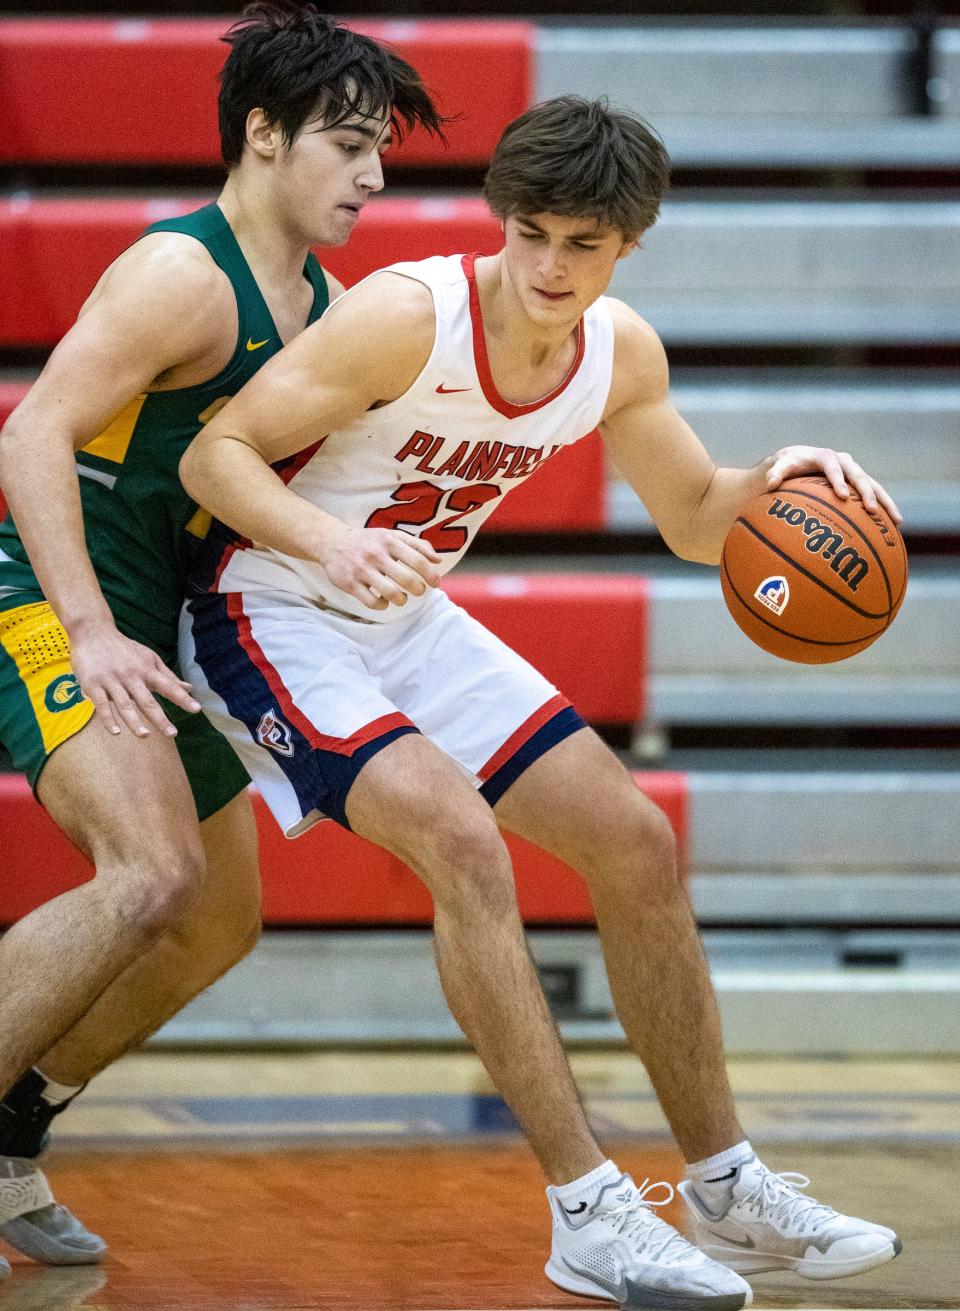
(436, 461)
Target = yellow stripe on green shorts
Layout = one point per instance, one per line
(36, 642)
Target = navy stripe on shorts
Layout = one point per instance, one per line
(321, 770)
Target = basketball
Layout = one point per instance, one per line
(810, 577)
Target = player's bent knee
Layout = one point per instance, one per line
(467, 867)
(636, 851)
(156, 896)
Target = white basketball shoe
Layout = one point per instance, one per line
(33, 1222)
(768, 1224)
(618, 1249)
(5, 1269)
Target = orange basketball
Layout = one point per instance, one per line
(810, 577)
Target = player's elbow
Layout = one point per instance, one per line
(698, 548)
(19, 447)
(190, 471)
(701, 553)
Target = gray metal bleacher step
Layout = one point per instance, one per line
(770, 96)
(761, 270)
(825, 847)
(901, 144)
(778, 992)
(911, 675)
(758, 270)
(904, 428)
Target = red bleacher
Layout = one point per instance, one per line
(587, 633)
(565, 495)
(328, 877)
(72, 88)
(53, 251)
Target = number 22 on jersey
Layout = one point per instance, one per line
(421, 502)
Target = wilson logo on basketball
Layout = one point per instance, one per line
(824, 541)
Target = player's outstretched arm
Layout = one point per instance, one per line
(153, 309)
(693, 502)
(366, 351)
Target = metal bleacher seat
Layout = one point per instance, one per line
(906, 426)
(813, 271)
(779, 95)
(910, 676)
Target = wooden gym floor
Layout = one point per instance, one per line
(388, 1181)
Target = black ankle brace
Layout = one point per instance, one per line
(25, 1117)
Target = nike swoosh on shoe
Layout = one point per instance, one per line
(737, 1242)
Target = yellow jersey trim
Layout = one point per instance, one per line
(113, 442)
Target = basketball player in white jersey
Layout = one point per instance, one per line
(353, 689)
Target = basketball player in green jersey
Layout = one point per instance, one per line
(92, 578)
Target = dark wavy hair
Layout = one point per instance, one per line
(293, 62)
(580, 159)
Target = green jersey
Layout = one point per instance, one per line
(135, 511)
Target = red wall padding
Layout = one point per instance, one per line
(587, 633)
(328, 877)
(53, 251)
(567, 494)
(74, 89)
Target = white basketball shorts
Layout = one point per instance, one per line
(307, 695)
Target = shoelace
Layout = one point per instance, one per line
(778, 1194)
(635, 1220)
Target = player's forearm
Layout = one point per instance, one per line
(714, 515)
(236, 485)
(38, 473)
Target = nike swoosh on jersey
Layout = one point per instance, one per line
(255, 345)
(447, 391)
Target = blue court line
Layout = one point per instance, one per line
(788, 1117)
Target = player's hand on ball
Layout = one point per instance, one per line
(381, 566)
(123, 679)
(841, 470)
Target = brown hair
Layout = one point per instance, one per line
(580, 159)
(292, 61)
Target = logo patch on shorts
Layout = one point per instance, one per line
(774, 593)
(63, 693)
(273, 733)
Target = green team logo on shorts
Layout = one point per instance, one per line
(63, 693)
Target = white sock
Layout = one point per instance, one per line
(583, 1192)
(713, 1177)
(55, 1093)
